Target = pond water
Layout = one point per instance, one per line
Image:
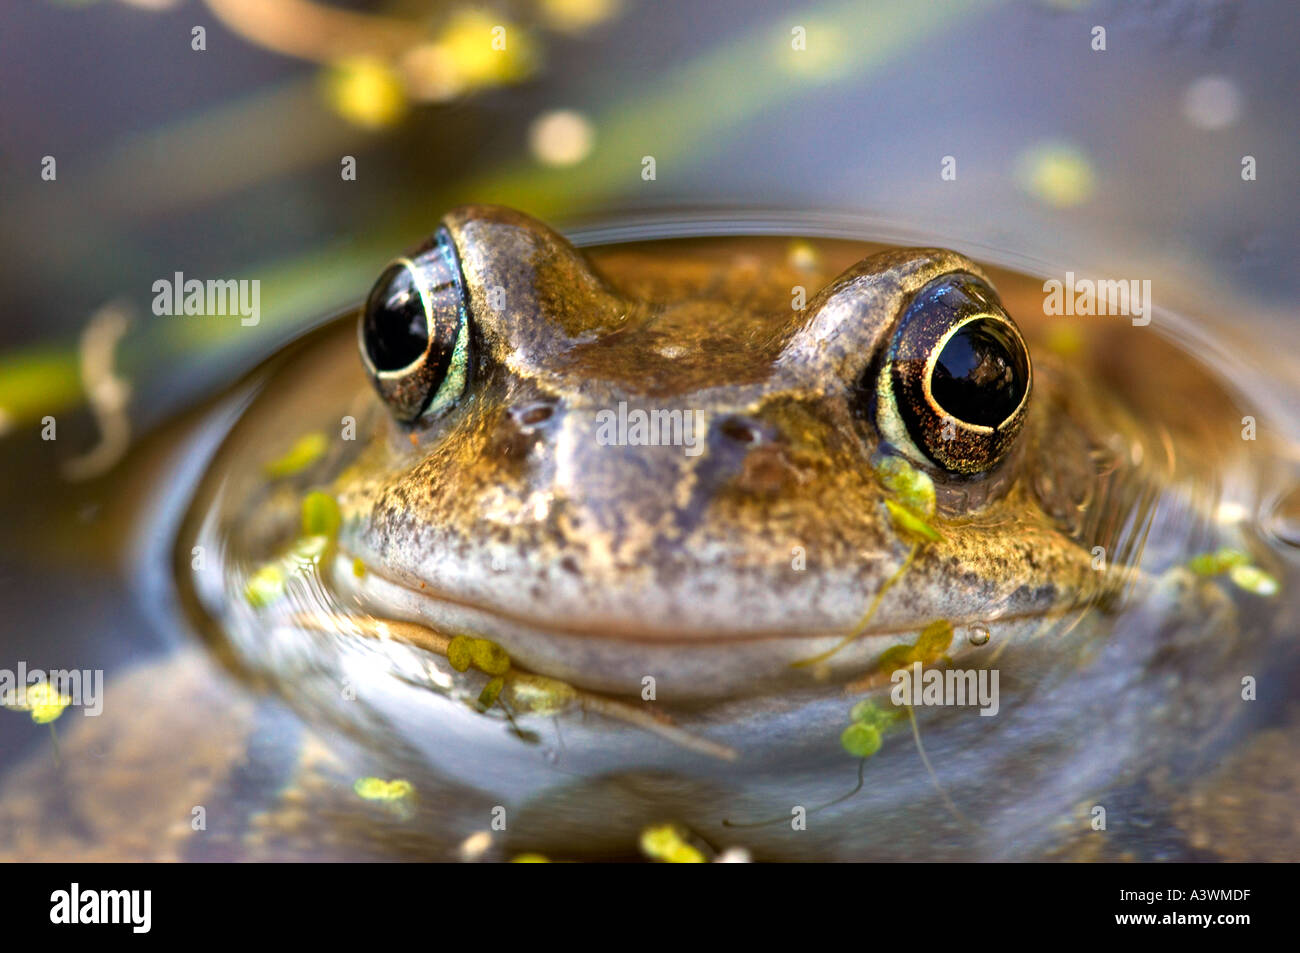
(273, 671)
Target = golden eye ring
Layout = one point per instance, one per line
(413, 332)
(955, 383)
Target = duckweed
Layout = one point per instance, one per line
(861, 740)
(491, 692)
(667, 844)
(307, 551)
(268, 581)
(320, 515)
(911, 487)
(911, 526)
(1253, 580)
(1220, 561)
(540, 695)
(484, 654)
(1237, 565)
(460, 653)
(489, 658)
(912, 500)
(305, 451)
(930, 646)
(43, 702)
(866, 712)
(378, 789)
(265, 586)
(865, 733)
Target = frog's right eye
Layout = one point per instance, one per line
(414, 333)
(954, 386)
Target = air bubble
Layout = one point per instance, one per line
(979, 634)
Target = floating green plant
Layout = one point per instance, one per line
(265, 585)
(43, 702)
(1254, 580)
(484, 654)
(931, 646)
(910, 504)
(320, 525)
(305, 451)
(667, 844)
(320, 515)
(1215, 563)
(491, 692)
(379, 789)
(1238, 568)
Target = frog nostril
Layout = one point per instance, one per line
(741, 430)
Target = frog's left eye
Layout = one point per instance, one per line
(414, 333)
(955, 381)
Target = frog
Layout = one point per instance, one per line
(613, 536)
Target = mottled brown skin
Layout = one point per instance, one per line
(654, 548)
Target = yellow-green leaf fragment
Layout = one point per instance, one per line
(320, 515)
(305, 451)
(44, 702)
(1253, 580)
(860, 739)
(866, 712)
(930, 646)
(530, 859)
(358, 567)
(378, 789)
(366, 91)
(540, 695)
(36, 382)
(491, 692)
(45, 713)
(667, 844)
(264, 586)
(1220, 561)
(490, 658)
(460, 652)
(911, 487)
(911, 525)
(933, 641)
(895, 657)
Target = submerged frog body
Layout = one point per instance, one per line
(602, 541)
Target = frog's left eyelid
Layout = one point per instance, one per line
(849, 321)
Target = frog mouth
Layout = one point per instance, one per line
(617, 655)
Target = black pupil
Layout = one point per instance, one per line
(980, 374)
(396, 330)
